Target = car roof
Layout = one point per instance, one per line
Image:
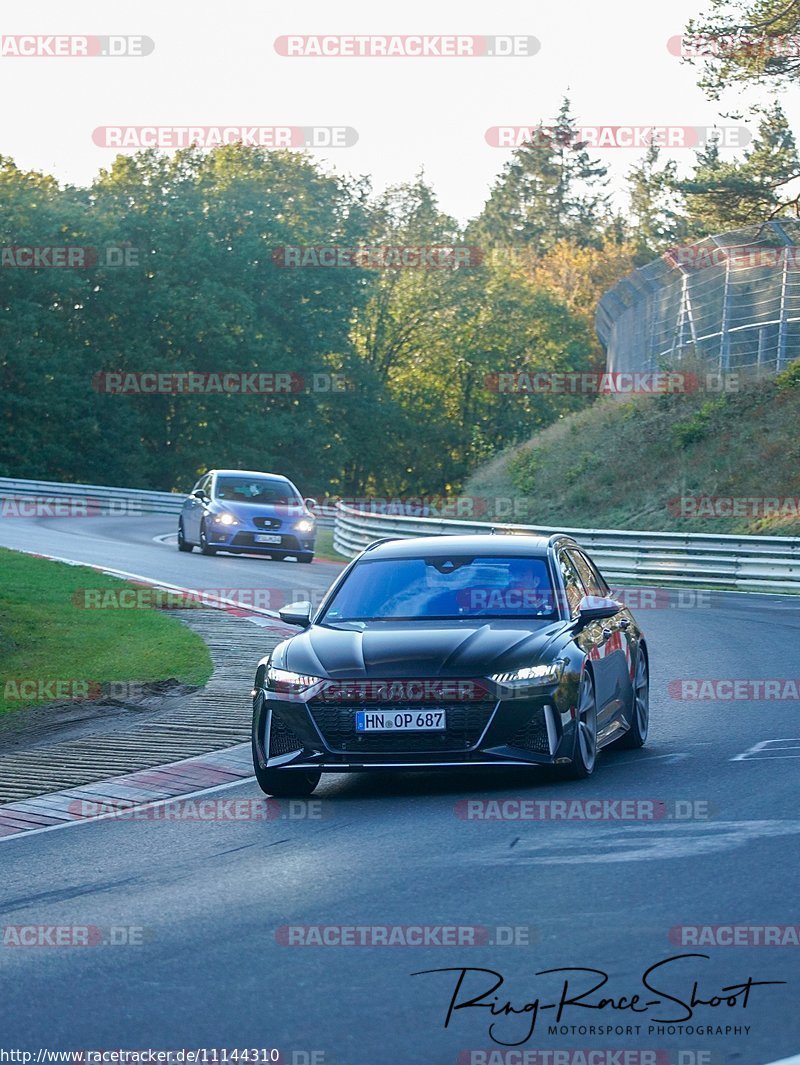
(248, 473)
(484, 544)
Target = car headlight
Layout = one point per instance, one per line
(225, 519)
(288, 683)
(531, 676)
(305, 526)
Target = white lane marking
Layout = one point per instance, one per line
(636, 759)
(211, 600)
(656, 841)
(166, 538)
(769, 749)
(120, 817)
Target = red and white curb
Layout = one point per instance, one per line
(124, 796)
(144, 788)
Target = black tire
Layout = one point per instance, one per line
(205, 548)
(306, 556)
(584, 756)
(636, 736)
(183, 544)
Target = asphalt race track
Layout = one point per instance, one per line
(197, 911)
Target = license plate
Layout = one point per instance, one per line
(262, 538)
(400, 720)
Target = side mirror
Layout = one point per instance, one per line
(296, 614)
(310, 503)
(199, 494)
(595, 608)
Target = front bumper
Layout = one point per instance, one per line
(291, 732)
(236, 538)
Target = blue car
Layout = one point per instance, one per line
(243, 511)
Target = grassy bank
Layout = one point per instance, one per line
(325, 549)
(625, 464)
(50, 646)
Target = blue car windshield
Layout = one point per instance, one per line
(256, 490)
(441, 588)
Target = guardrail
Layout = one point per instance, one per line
(747, 562)
(102, 499)
(96, 497)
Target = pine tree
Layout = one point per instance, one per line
(728, 195)
(654, 205)
(550, 190)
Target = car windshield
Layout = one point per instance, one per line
(443, 587)
(256, 490)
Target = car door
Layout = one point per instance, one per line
(616, 649)
(591, 638)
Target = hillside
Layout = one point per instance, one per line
(626, 464)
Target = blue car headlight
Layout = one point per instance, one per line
(225, 519)
(305, 525)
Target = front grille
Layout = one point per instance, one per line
(533, 734)
(267, 523)
(281, 739)
(465, 725)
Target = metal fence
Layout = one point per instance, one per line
(731, 301)
(746, 562)
(102, 499)
(95, 497)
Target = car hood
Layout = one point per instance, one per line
(418, 649)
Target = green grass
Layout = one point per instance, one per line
(617, 464)
(45, 636)
(324, 547)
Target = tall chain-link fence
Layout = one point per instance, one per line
(731, 301)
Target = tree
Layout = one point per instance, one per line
(654, 206)
(550, 190)
(728, 195)
(748, 43)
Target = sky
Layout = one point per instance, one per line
(216, 64)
